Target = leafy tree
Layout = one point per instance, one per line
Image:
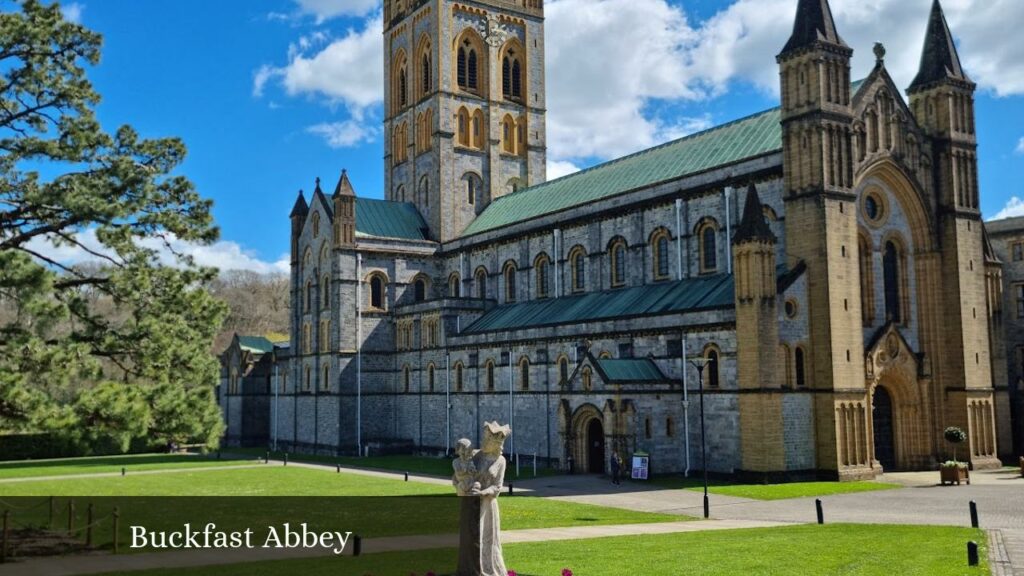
(94, 351)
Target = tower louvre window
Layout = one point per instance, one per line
(471, 75)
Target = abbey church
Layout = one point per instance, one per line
(825, 262)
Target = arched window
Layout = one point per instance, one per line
(481, 283)
(541, 267)
(377, 291)
(401, 143)
(708, 248)
(426, 69)
(787, 366)
(316, 224)
(563, 370)
(512, 73)
(513, 185)
(400, 86)
(430, 377)
(325, 335)
(454, 286)
(468, 64)
(712, 356)
(578, 267)
(891, 271)
(521, 136)
(403, 88)
(508, 134)
(424, 125)
(587, 376)
(325, 292)
(462, 121)
(406, 378)
(458, 377)
(524, 373)
(425, 191)
(489, 371)
(307, 379)
(420, 289)
(307, 302)
(617, 250)
(478, 129)
(659, 251)
(474, 187)
(867, 283)
(799, 367)
(400, 193)
(510, 282)
(307, 338)
(325, 379)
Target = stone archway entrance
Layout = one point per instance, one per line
(595, 446)
(884, 433)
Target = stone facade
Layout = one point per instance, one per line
(859, 304)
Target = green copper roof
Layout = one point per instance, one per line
(706, 292)
(630, 370)
(257, 344)
(385, 219)
(726, 144)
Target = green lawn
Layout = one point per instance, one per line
(384, 508)
(771, 491)
(807, 550)
(98, 464)
(430, 466)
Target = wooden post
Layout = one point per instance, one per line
(88, 526)
(53, 509)
(117, 517)
(6, 536)
(71, 517)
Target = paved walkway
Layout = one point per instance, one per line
(100, 563)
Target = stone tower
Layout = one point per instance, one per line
(757, 342)
(942, 101)
(821, 226)
(464, 105)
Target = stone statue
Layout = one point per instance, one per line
(478, 479)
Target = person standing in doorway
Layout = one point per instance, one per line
(616, 468)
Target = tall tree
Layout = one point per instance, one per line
(67, 362)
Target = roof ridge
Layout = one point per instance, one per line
(614, 161)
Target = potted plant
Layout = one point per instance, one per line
(954, 471)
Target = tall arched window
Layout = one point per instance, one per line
(426, 69)
(462, 121)
(377, 291)
(325, 292)
(454, 286)
(307, 381)
(406, 378)
(489, 375)
(474, 186)
(400, 86)
(468, 62)
(508, 134)
(867, 283)
(617, 250)
(420, 289)
(425, 192)
(481, 283)
(403, 88)
(458, 377)
(325, 378)
(478, 129)
(524, 373)
(316, 224)
(578, 267)
(521, 136)
(510, 282)
(512, 73)
(400, 193)
(659, 251)
(430, 377)
(563, 370)
(708, 247)
(800, 367)
(711, 370)
(891, 273)
(541, 268)
(586, 375)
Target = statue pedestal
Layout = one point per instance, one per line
(469, 537)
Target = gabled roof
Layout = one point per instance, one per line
(385, 219)
(255, 344)
(300, 208)
(939, 60)
(702, 293)
(736, 141)
(318, 194)
(630, 371)
(753, 227)
(814, 23)
(344, 187)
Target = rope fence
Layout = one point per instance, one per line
(20, 518)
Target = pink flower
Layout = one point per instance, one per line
(566, 572)
(511, 573)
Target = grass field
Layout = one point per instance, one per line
(808, 550)
(411, 464)
(771, 491)
(99, 464)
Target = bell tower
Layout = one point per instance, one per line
(464, 105)
(821, 230)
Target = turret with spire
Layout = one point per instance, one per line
(344, 199)
(298, 218)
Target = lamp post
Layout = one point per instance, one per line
(699, 362)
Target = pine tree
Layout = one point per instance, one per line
(118, 349)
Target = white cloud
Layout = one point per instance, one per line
(1014, 207)
(342, 134)
(559, 168)
(327, 9)
(224, 254)
(72, 12)
(1020, 146)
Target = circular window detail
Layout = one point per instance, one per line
(790, 309)
(874, 207)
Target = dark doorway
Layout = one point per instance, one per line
(885, 450)
(595, 447)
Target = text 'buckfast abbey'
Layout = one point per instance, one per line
(827, 257)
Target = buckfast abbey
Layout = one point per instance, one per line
(827, 258)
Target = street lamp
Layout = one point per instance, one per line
(699, 362)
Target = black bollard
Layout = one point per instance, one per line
(406, 476)
(821, 513)
(285, 458)
(122, 470)
(974, 514)
(266, 459)
(338, 468)
(357, 545)
(511, 488)
(972, 553)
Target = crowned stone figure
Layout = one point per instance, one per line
(478, 480)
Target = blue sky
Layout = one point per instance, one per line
(269, 95)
